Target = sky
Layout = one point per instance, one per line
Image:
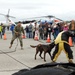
(23, 9)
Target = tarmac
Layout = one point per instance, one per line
(14, 59)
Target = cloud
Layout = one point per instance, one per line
(63, 9)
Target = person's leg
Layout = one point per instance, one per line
(50, 35)
(21, 42)
(41, 35)
(33, 34)
(68, 52)
(74, 40)
(27, 35)
(45, 37)
(12, 33)
(57, 51)
(54, 36)
(14, 37)
(0, 34)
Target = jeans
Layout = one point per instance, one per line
(30, 34)
(27, 34)
(1, 35)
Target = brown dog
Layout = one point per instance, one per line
(46, 48)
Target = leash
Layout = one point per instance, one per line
(13, 50)
(15, 60)
(16, 45)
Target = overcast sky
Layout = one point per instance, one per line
(63, 9)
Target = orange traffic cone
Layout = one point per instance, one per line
(70, 41)
(36, 37)
(48, 39)
(5, 37)
(23, 36)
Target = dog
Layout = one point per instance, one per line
(46, 48)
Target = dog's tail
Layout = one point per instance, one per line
(33, 46)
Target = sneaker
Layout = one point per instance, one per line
(10, 46)
(70, 61)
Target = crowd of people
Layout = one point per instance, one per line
(43, 29)
(52, 29)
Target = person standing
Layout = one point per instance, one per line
(27, 31)
(30, 28)
(34, 29)
(12, 28)
(1, 31)
(40, 31)
(55, 30)
(17, 34)
(49, 30)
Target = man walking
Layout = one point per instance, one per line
(17, 34)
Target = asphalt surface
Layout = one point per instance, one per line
(13, 60)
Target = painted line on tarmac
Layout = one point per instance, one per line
(41, 41)
(8, 51)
